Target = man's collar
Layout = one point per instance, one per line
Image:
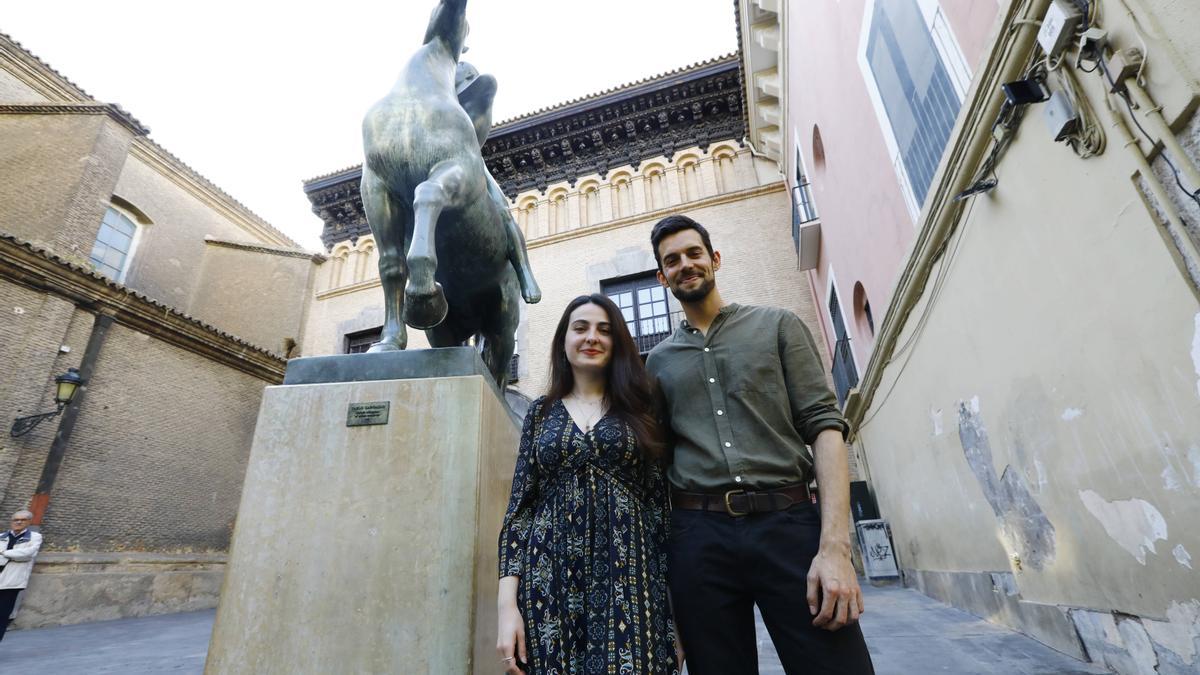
(724, 311)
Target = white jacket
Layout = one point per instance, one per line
(18, 559)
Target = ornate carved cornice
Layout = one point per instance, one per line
(621, 127)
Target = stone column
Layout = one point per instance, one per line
(672, 176)
(573, 204)
(707, 178)
(605, 195)
(638, 185)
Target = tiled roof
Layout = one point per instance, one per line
(53, 257)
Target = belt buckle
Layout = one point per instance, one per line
(729, 507)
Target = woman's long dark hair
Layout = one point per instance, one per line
(628, 390)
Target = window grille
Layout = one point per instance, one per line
(643, 303)
(357, 343)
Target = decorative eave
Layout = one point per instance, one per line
(37, 268)
(112, 110)
(38, 74)
(624, 126)
(268, 250)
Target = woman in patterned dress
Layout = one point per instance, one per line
(582, 551)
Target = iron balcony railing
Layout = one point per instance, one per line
(650, 331)
(845, 375)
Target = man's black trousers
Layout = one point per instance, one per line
(722, 566)
(8, 599)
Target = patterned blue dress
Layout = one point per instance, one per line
(586, 532)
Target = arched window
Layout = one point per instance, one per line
(622, 196)
(115, 244)
(589, 209)
(689, 179)
(726, 179)
(864, 320)
(558, 212)
(527, 216)
(656, 194)
(337, 266)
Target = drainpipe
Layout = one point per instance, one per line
(54, 459)
(1178, 232)
(942, 217)
(1153, 115)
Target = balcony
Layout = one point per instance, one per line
(647, 340)
(845, 375)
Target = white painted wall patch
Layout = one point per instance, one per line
(1182, 556)
(1196, 352)
(1133, 523)
(1178, 633)
(1072, 413)
(936, 417)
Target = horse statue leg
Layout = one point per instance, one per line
(518, 256)
(388, 218)
(424, 302)
(497, 336)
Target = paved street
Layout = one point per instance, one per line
(908, 634)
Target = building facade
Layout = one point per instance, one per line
(586, 181)
(176, 304)
(1025, 388)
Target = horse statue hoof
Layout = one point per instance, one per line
(388, 343)
(426, 310)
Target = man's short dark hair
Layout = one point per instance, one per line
(674, 224)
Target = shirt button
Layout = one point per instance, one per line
(728, 444)
(707, 349)
(720, 412)
(712, 379)
(737, 479)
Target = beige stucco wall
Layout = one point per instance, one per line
(1041, 417)
(258, 294)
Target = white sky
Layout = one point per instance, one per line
(258, 96)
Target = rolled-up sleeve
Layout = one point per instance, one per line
(518, 519)
(814, 407)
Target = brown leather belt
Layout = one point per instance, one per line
(742, 502)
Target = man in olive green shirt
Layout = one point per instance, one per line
(745, 394)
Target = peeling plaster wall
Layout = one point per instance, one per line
(1045, 422)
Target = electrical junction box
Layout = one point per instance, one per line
(1058, 27)
(1061, 118)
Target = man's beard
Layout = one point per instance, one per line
(707, 284)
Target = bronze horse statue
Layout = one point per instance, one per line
(452, 261)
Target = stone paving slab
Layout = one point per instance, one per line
(908, 634)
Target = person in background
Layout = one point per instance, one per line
(18, 547)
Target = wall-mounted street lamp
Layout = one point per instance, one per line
(68, 383)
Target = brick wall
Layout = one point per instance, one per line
(258, 296)
(57, 177)
(157, 457)
(33, 328)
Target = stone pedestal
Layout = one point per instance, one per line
(370, 549)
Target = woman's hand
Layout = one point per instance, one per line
(510, 643)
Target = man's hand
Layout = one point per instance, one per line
(679, 655)
(833, 583)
